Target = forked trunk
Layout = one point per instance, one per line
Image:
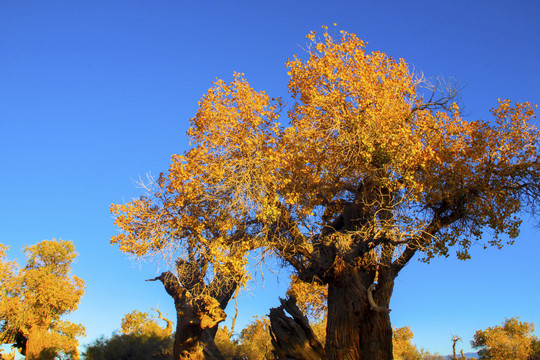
(354, 330)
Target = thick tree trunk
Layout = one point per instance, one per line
(195, 319)
(355, 330)
(36, 343)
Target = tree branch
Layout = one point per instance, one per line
(372, 302)
(169, 327)
(171, 284)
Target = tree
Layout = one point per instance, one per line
(210, 257)
(535, 349)
(139, 323)
(371, 170)
(455, 339)
(34, 298)
(227, 344)
(511, 341)
(130, 346)
(207, 274)
(7, 356)
(255, 340)
(403, 347)
(140, 337)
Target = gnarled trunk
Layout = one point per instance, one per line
(197, 316)
(195, 320)
(357, 330)
(293, 338)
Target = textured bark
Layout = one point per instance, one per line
(355, 330)
(195, 319)
(197, 316)
(293, 338)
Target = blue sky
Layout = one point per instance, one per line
(95, 94)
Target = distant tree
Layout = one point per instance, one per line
(426, 355)
(130, 346)
(255, 340)
(34, 298)
(140, 338)
(139, 323)
(513, 340)
(6, 356)
(455, 340)
(227, 344)
(403, 347)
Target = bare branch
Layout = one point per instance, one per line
(372, 302)
(169, 327)
(171, 284)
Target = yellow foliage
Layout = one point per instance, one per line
(140, 323)
(372, 166)
(310, 297)
(511, 341)
(403, 348)
(255, 341)
(34, 298)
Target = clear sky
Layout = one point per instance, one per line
(95, 94)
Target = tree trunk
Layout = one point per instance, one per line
(36, 344)
(293, 338)
(355, 329)
(195, 319)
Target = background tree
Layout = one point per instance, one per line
(6, 356)
(130, 346)
(371, 170)
(35, 297)
(455, 339)
(138, 323)
(403, 347)
(511, 341)
(227, 343)
(140, 337)
(255, 340)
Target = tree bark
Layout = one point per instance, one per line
(293, 338)
(197, 318)
(355, 329)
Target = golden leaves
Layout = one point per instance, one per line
(36, 296)
(360, 120)
(512, 340)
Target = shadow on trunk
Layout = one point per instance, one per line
(293, 337)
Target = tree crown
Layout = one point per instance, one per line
(373, 166)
